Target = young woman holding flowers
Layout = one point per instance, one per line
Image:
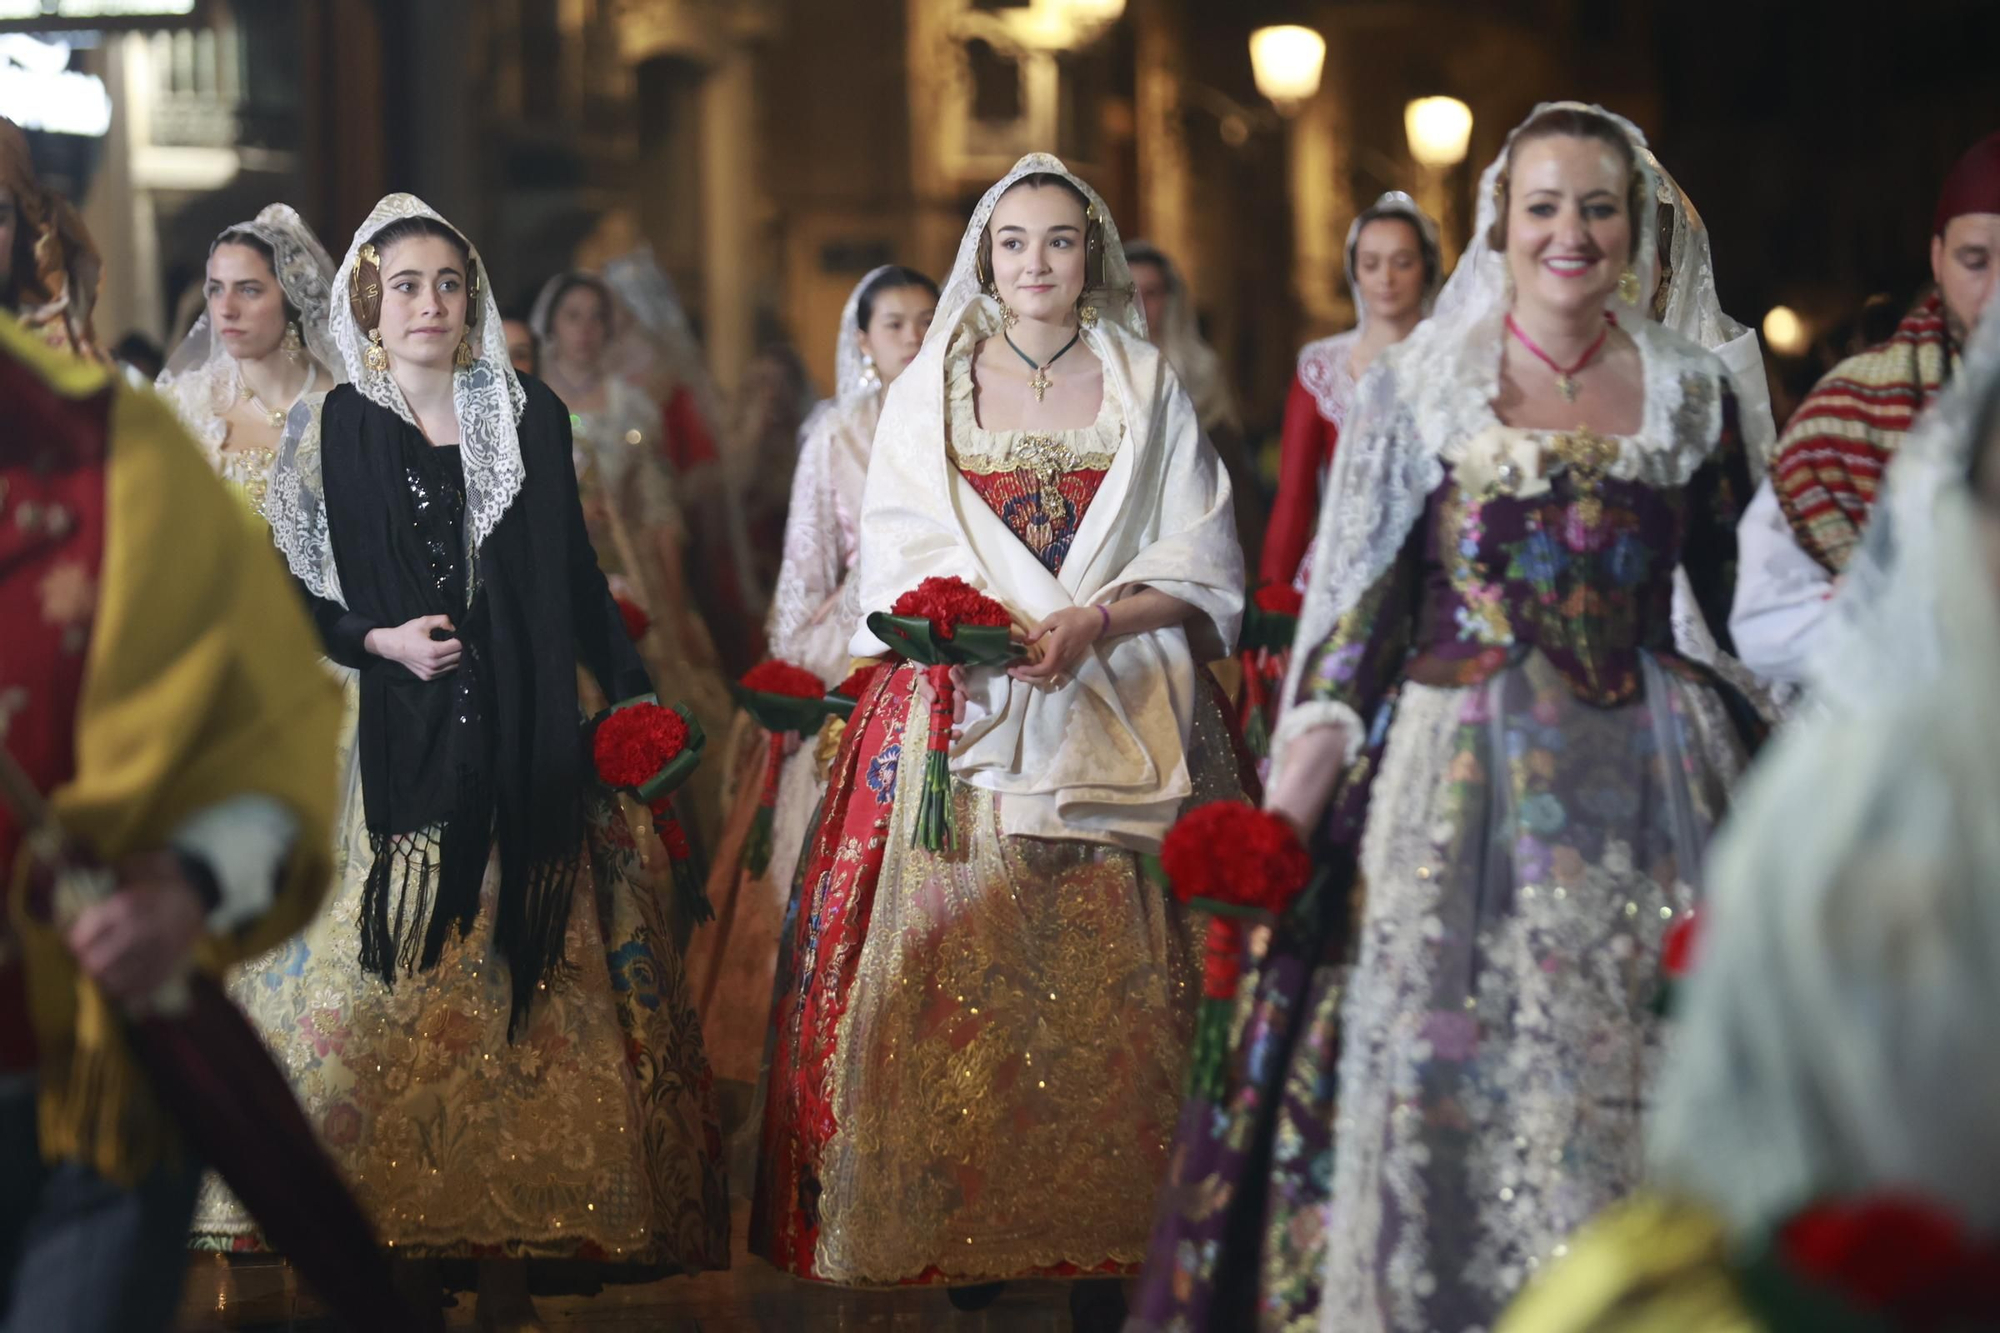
(980, 1049)
(488, 1021)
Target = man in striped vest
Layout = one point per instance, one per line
(1807, 517)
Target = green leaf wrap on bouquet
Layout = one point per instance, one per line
(916, 639)
(788, 712)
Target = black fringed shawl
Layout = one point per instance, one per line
(491, 751)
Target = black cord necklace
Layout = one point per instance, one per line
(1041, 383)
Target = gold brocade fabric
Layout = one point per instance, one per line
(592, 1135)
(247, 474)
(1011, 1061)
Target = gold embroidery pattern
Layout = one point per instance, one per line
(247, 471)
(1009, 1067)
(1588, 456)
(558, 1144)
(1047, 456)
(1039, 463)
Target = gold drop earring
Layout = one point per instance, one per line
(463, 358)
(376, 358)
(1628, 286)
(293, 343)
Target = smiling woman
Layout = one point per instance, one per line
(1489, 725)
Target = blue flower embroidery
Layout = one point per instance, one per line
(636, 972)
(1629, 561)
(289, 961)
(1540, 559)
(882, 771)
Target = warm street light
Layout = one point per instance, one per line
(1439, 129)
(1061, 25)
(1785, 331)
(1088, 15)
(1286, 61)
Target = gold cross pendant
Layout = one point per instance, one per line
(1041, 383)
(1566, 386)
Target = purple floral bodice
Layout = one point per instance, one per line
(1535, 546)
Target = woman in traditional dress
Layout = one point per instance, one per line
(1833, 1070)
(1394, 267)
(631, 512)
(655, 348)
(1488, 711)
(261, 346)
(813, 616)
(979, 1051)
(1240, 1239)
(259, 350)
(489, 1021)
(1173, 327)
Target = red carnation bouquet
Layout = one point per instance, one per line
(940, 624)
(1238, 864)
(785, 700)
(1270, 623)
(1881, 1263)
(649, 751)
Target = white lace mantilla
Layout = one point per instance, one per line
(201, 379)
(487, 399)
(295, 503)
(1325, 371)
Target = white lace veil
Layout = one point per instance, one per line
(200, 378)
(1395, 203)
(1198, 364)
(659, 335)
(1690, 307)
(1687, 303)
(1836, 1035)
(853, 373)
(487, 399)
(1109, 295)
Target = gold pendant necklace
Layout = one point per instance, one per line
(1041, 383)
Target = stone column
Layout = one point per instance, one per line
(119, 211)
(729, 231)
(1166, 174)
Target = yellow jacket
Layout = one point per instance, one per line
(201, 683)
